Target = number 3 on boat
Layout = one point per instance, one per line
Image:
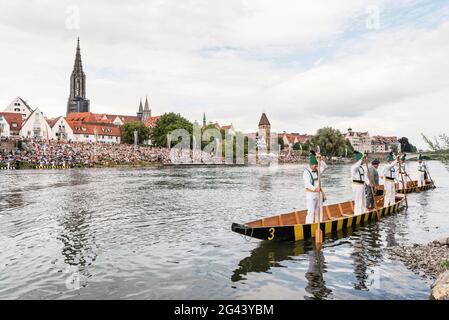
(271, 232)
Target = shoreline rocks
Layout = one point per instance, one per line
(440, 288)
(431, 260)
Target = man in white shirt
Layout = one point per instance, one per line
(359, 180)
(313, 192)
(421, 172)
(389, 176)
(402, 174)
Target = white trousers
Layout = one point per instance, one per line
(390, 192)
(421, 180)
(312, 207)
(402, 181)
(358, 193)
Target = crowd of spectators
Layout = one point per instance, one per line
(79, 154)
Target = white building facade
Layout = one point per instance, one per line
(61, 130)
(4, 127)
(36, 126)
(18, 105)
(93, 133)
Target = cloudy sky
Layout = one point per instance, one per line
(379, 65)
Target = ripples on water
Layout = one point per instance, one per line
(165, 233)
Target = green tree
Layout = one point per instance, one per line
(306, 146)
(406, 146)
(331, 142)
(205, 142)
(128, 132)
(167, 124)
(349, 148)
(227, 140)
(281, 143)
(297, 146)
(394, 148)
(436, 145)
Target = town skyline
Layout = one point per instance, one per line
(309, 83)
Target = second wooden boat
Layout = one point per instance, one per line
(292, 227)
(412, 186)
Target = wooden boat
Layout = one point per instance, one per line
(412, 186)
(292, 227)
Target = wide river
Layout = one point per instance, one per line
(165, 233)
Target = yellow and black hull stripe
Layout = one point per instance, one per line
(416, 189)
(410, 189)
(307, 231)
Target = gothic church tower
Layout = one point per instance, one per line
(146, 111)
(77, 99)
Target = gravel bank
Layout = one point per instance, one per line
(430, 260)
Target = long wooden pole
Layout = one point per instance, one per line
(408, 176)
(403, 184)
(373, 192)
(318, 233)
(428, 173)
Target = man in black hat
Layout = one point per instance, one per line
(373, 177)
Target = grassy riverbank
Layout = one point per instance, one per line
(437, 155)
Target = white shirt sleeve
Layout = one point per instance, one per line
(307, 180)
(323, 166)
(366, 170)
(387, 168)
(355, 170)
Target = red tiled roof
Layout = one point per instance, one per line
(151, 122)
(79, 127)
(227, 127)
(302, 138)
(83, 117)
(99, 117)
(52, 122)
(11, 118)
(125, 119)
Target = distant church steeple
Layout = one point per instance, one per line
(77, 99)
(140, 112)
(204, 119)
(146, 111)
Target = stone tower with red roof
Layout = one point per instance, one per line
(265, 130)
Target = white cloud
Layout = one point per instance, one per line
(389, 87)
(233, 60)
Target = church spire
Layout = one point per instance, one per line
(140, 112)
(204, 119)
(78, 64)
(77, 99)
(147, 107)
(146, 110)
(140, 107)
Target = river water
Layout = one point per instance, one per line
(164, 233)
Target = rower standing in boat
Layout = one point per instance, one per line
(389, 176)
(422, 169)
(313, 192)
(359, 180)
(373, 177)
(403, 172)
